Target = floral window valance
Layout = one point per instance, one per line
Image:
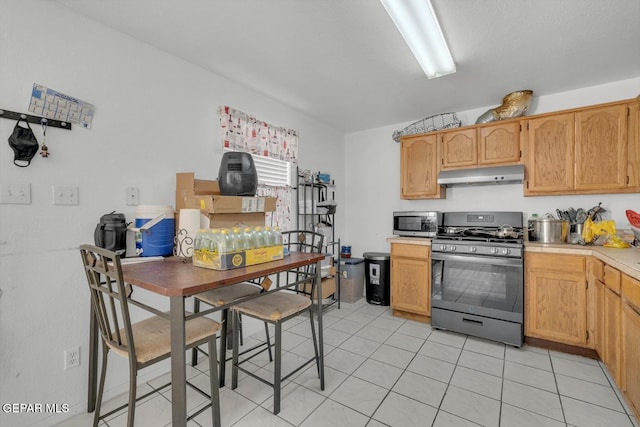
(242, 132)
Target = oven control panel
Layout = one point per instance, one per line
(470, 248)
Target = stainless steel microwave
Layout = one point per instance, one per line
(416, 223)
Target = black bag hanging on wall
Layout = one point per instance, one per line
(24, 144)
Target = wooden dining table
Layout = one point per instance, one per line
(179, 280)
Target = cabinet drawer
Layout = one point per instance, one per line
(555, 262)
(412, 251)
(631, 290)
(612, 279)
(596, 268)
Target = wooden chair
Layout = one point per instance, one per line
(143, 343)
(277, 307)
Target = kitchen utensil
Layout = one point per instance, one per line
(581, 216)
(595, 212)
(572, 215)
(548, 230)
(506, 231)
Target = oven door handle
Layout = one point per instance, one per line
(516, 262)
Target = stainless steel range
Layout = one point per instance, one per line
(477, 273)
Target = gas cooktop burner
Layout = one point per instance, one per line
(480, 238)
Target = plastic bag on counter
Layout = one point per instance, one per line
(602, 231)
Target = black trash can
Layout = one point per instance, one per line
(377, 269)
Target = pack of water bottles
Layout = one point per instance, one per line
(227, 248)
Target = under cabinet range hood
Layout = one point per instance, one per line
(482, 176)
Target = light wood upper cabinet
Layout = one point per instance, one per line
(588, 150)
(601, 148)
(411, 278)
(499, 144)
(487, 145)
(459, 148)
(419, 167)
(550, 157)
(556, 298)
(633, 145)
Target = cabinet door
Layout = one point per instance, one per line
(601, 148)
(556, 306)
(419, 167)
(611, 329)
(550, 154)
(410, 279)
(630, 378)
(633, 145)
(499, 144)
(459, 148)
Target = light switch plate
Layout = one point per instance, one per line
(15, 193)
(65, 195)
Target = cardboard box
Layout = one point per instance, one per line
(256, 219)
(328, 286)
(188, 186)
(215, 261)
(230, 204)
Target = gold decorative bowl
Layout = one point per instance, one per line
(514, 104)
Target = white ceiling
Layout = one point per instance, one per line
(344, 63)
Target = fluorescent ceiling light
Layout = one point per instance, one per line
(419, 26)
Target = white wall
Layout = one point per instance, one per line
(373, 177)
(155, 116)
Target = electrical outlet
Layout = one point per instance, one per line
(72, 357)
(64, 195)
(16, 193)
(133, 196)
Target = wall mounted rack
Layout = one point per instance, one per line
(6, 114)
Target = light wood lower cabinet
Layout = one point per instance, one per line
(556, 298)
(630, 342)
(411, 278)
(611, 329)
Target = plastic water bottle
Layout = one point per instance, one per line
(249, 238)
(277, 236)
(258, 237)
(240, 239)
(213, 237)
(197, 242)
(225, 245)
(269, 238)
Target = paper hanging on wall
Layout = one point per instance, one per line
(58, 106)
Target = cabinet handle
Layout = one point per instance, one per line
(475, 322)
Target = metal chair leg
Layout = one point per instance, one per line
(133, 382)
(277, 370)
(194, 351)
(234, 370)
(103, 372)
(222, 360)
(315, 340)
(214, 382)
(266, 332)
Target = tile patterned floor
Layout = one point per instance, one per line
(385, 371)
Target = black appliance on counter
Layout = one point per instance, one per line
(477, 283)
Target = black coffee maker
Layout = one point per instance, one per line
(111, 233)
